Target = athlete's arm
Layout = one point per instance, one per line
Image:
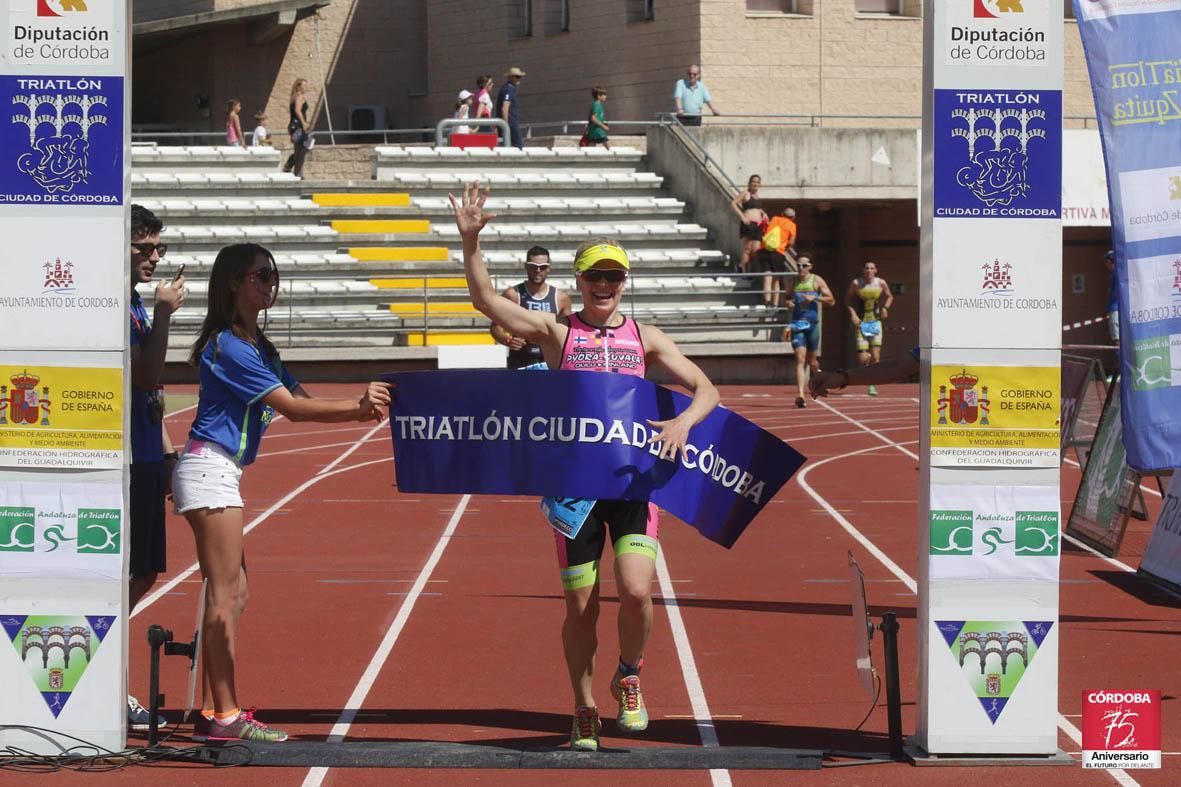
(674, 433)
(370, 407)
(825, 293)
(738, 200)
(852, 301)
(498, 333)
(889, 298)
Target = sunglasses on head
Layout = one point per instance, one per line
(266, 275)
(146, 249)
(611, 275)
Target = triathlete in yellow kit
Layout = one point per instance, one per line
(869, 300)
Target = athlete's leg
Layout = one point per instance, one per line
(875, 348)
(862, 347)
(634, 533)
(578, 559)
(801, 352)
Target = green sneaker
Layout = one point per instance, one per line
(873, 390)
(245, 728)
(633, 716)
(584, 732)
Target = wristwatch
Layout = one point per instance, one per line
(173, 455)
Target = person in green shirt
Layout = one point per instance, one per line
(596, 122)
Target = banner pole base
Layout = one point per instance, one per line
(889, 628)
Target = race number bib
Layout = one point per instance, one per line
(566, 514)
(871, 328)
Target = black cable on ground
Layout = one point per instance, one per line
(87, 757)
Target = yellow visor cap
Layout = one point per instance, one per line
(599, 252)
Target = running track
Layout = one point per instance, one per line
(377, 616)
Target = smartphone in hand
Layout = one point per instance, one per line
(179, 272)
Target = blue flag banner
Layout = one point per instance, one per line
(1131, 49)
(581, 434)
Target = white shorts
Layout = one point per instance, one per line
(205, 477)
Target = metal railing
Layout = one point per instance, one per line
(442, 135)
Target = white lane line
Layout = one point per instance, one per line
(306, 448)
(1121, 777)
(705, 723)
(327, 471)
(347, 716)
(795, 439)
(180, 411)
(1147, 489)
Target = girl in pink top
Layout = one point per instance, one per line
(610, 342)
(234, 124)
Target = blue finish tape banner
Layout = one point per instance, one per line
(581, 434)
(1131, 48)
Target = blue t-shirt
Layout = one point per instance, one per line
(692, 98)
(1113, 293)
(235, 376)
(508, 92)
(147, 439)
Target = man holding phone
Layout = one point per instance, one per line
(152, 455)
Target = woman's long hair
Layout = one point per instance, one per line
(297, 88)
(229, 269)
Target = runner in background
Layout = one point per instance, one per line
(597, 338)
(1112, 296)
(810, 291)
(535, 294)
(869, 300)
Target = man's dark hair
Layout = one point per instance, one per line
(144, 222)
(536, 251)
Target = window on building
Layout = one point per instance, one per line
(889, 7)
(556, 16)
(802, 7)
(641, 10)
(520, 18)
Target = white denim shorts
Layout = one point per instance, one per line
(206, 476)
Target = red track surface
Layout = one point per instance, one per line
(479, 657)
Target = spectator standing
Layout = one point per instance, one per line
(152, 456)
(1112, 296)
(690, 96)
(536, 295)
(260, 136)
(752, 219)
(596, 121)
(507, 105)
(772, 257)
(298, 127)
(483, 102)
(463, 110)
(234, 124)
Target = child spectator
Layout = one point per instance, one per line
(234, 124)
(261, 136)
(483, 96)
(596, 122)
(463, 110)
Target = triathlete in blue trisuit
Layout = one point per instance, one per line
(810, 291)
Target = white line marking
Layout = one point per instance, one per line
(327, 471)
(1147, 489)
(181, 410)
(340, 729)
(705, 724)
(1121, 777)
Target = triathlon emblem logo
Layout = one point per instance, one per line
(993, 656)
(61, 140)
(997, 153)
(56, 650)
(998, 278)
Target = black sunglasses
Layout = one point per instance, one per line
(266, 275)
(612, 275)
(146, 249)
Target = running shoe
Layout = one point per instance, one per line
(873, 391)
(801, 402)
(633, 716)
(584, 732)
(245, 728)
(201, 727)
(139, 718)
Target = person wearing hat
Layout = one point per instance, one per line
(1112, 297)
(463, 110)
(597, 338)
(506, 104)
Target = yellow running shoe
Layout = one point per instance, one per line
(633, 716)
(584, 732)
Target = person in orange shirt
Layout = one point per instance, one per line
(779, 236)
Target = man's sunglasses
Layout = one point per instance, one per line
(146, 249)
(537, 266)
(611, 275)
(266, 275)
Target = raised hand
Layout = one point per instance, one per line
(374, 402)
(470, 217)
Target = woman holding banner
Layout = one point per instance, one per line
(243, 383)
(596, 338)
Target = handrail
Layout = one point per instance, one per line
(147, 135)
(445, 123)
(669, 119)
